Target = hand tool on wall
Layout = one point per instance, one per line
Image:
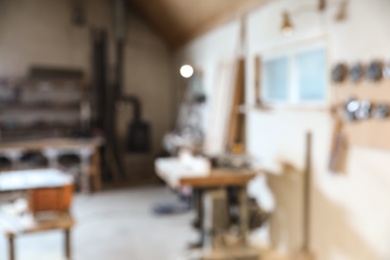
(338, 146)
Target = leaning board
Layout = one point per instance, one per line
(373, 133)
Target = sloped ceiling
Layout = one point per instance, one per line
(180, 21)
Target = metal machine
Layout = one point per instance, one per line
(225, 233)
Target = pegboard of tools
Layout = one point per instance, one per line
(361, 94)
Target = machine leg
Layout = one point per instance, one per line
(243, 200)
(198, 222)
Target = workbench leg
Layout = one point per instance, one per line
(67, 244)
(85, 182)
(95, 171)
(244, 218)
(200, 210)
(11, 246)
(198, 222)
(85, 156)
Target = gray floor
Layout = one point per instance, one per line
(115, 225)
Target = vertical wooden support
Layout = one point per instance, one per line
(257, 81)
(11, 246)
(67, 244)
(85, 155)
(96, 174)
(307, 195)
(236, 130)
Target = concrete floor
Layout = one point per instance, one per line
(115, 225)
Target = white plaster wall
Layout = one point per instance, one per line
(41, 32)
(351, 212)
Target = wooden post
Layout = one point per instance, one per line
(305, 253)
(11, 246)
(67, 245)
(96, 173)
(257, 81)
(307, 195)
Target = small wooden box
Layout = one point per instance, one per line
(50, 199)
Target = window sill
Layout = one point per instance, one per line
(286, 107)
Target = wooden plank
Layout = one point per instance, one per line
(236, 128)
(29, 224)
(257, 80)
(63, 143)
(219, 178)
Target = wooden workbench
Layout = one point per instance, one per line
(202, 180)
(219, 178)
(86, 149)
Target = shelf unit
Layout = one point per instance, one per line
(34, 109)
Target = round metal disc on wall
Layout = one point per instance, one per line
(386, 70)
(351, 107)
(364, 110)
(356, 72)
(339, 72)
(381, 111)
(375, 70)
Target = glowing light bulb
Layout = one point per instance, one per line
(186, 71)
(287, 27)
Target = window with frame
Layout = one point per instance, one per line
(295, 77)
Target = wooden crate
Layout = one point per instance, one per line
(50, 199)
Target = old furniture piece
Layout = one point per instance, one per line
(45, 213)
(86, 149)
(209, 189)
(42, 106)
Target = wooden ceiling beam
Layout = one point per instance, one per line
(178, 22)
(223, 16)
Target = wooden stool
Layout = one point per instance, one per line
(28, 224)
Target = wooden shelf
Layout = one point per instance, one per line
(27, 133)
(43, 84)
(39, 106)
(270, 108)
(49, 106)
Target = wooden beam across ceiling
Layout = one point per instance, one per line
(180, 21)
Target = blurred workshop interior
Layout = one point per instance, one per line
(208, 129)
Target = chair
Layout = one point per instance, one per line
(14, 226)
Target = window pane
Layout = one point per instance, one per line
(312, 75)
(276, 73)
